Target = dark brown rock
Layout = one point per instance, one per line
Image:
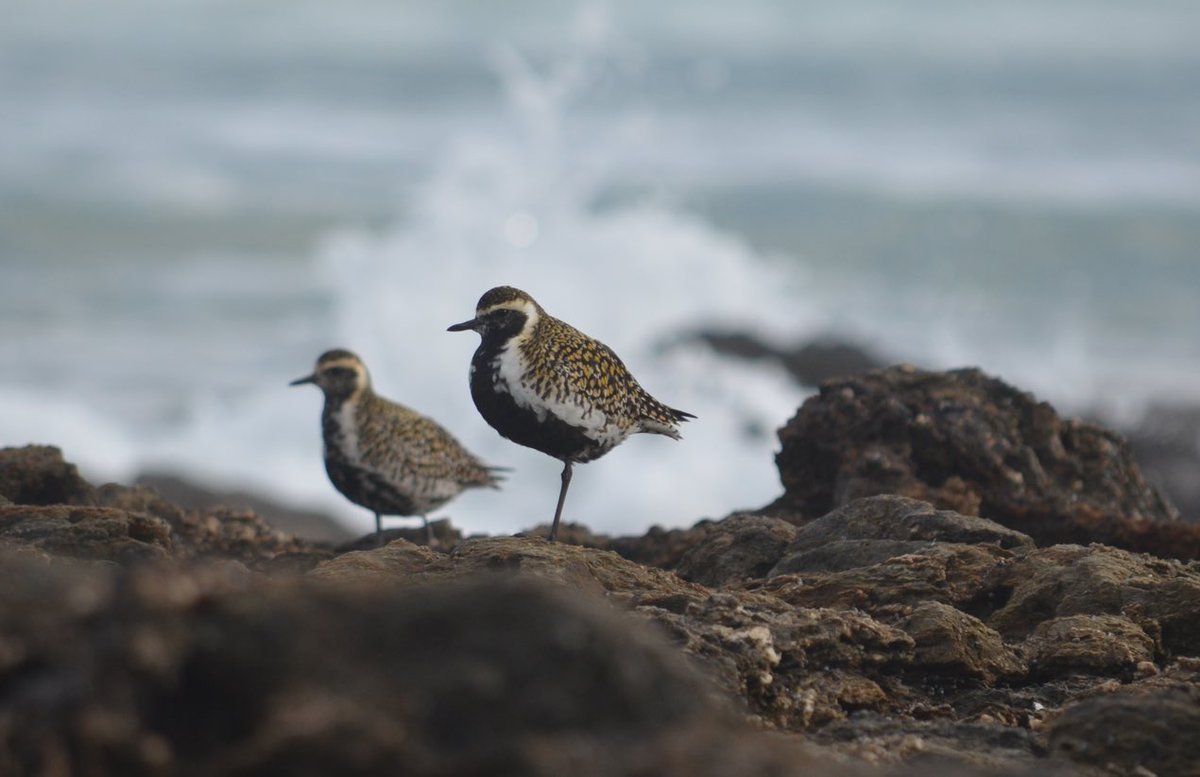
(1091, 644)
(1136, 733)
(902, 639)
(1160, 596)
(140, 499)
(873, 529)
(658, 547)
(964, 441)
(959, 575)
(38, 475)
(937, 747)
(56, 510)
(164, 671)
(757, 648)
(220, 533)
(951, 641)
(195, 497)
(840, 555)
(889, 517)
(794, 667)
(580, 568)
(97, 533)
(445, 536)
(737, 549)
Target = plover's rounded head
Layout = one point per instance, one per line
(339, 373)
(502, 312)
(506, 298)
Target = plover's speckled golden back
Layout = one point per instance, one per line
(382, 455)
(542, 383)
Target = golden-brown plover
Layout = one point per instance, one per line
(383, 456)
(543, 384)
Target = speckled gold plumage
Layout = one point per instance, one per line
(565, 365)
(382, 455)
(407, 447)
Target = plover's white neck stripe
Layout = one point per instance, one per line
(343, 436)
(593, 422)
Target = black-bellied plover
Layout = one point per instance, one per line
(543, 384)
(384, 456)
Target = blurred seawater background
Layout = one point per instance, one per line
(198, 197)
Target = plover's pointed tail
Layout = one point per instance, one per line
(663, 421)
(496, 476)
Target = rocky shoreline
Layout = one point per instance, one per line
(955, 579)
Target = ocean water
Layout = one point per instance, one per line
(197, 198)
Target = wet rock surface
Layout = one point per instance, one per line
(38, 475)
(886, 635)
(99, 533)
(971, 443)
(1134, 731)
(1165, 438)
(193, 496)
(742, 547)
(201, 673)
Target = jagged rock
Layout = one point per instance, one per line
(166, 672)
(220, 533)
(964, 441)
(658, 547)
(794, 667)
(193, 496)
(876, 528)
(937, 747)
(890, 517)
(400, 561)
(951, 641)
(38, 475)
(1137, 732)
(840, 555)
(98, 533)
(1160, 596)
(739, 548)
(758, 648)
(445, 536)
(1092, 644)
(959, 575)
(899, 635)
(57, 510)
(574, 566)
(140, 499)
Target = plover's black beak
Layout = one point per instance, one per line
(464, 326)
(306, 379)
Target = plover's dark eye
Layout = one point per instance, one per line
(340, 372)
(506, 318)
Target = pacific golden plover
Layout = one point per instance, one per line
(383, 456)
(543, 384)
